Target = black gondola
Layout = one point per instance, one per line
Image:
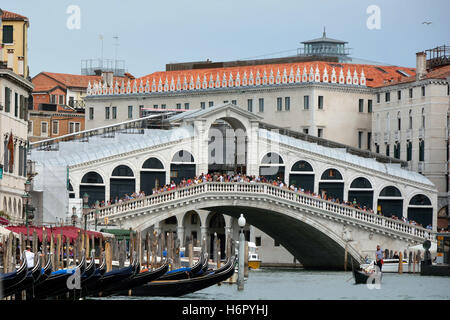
(108, 280)
(32, 277)
(12, 279)
(176, 288)
(362, 277)
(88, 276)
(45, 273)
(56, 284)
(185, 273)
(138, 279)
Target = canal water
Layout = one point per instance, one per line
(298, 284)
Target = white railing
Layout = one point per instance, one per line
(239, 188)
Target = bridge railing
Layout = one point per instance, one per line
(267, 189)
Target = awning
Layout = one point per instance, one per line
(5, 232)
(120, 234)
(69, 232)
(4, 221)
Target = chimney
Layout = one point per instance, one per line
(107, 76)
(10, 59)
(421, 65)
(21, 66)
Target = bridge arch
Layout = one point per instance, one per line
(420, 209)
(192, 223)
(390, 202)
(272, 166)
(152, 174)
(121, 182)
(216, 224)
(93, 183)
(313, 243)
(302, 175)
(182, 166)
(361, 192)
(331, 183)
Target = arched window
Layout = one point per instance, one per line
(420, 210)
(361, 183)
(331, 174)
(331, 185)
(410, 119)
(92, 184)
(92, 177)
(361, 193)
(301, 166)
(122, 171)
(399, 121)
(420, 200)
(390, 191)
(272, 166)
(272, 158)
(390, 203)
(122, 183)
(182, 166)
(183, 156)
(152, 163)
(302, 176)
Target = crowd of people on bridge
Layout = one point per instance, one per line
(238, 177)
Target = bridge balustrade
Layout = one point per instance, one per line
(266, 189)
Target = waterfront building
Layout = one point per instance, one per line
(15, 91)
(410, 122)
(14, 48)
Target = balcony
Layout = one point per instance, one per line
(387, 137)
(397, 135)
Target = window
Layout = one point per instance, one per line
(30, 127)
(225, 101)
(399, 121)
(55, 127)
(234, 102)
(387, 150)
(71, 101)
(163, 106)
(320, 102)
(250, 105)
(91, 113)
(258, 241)
(369, 140)
(276, 243)
(130, 112)
(74, 127)
(399, 95)
(320, 132)
(306, 130)
(423, 91)
(77, 127)
(361, 105)
(141, 111)
(178, 105)
(155, 106)
(44, 129)
(423, 118)
(114, 112)
(202, 105)
(106, 113)
(7, 99)
(410, 119)
(377, 148)
(8, 35)
(279, 104)
(388, 96)
(397, 150)
(61, 100)
(369, 106)
(421, 150)
(360, 137)
(53, 98)
(409, 151)
(411, 92)
(261, 104)
(287, 103)
(186, 106)
(210, 104)
(16, 104)
(22, 107)
(378, 98)
(306, 102)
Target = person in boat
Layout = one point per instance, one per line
(379, 257)
(30, 257)
(395, 256)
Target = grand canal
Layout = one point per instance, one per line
(297, 284)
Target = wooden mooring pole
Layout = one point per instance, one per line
(400, 263)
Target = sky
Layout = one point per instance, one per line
(154, 33)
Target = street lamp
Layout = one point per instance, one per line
(241, 222)
(85, 209)
(25, 198)
(74, 215)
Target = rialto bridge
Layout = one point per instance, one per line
(128, 158)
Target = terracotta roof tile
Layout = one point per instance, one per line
(8, 15)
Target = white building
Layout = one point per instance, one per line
(410, 122)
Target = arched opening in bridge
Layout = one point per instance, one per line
(92, 184)
(272, 167)
(361, 192)
(420, 210)
(331, 185)
(191, 224)
(302, 176)
(390, 202)
(153, 175)
(227, 146)
(216, 225)
(182, 166)
(121, 183)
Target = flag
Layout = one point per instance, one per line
(10, 147)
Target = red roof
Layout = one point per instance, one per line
(69, 232)
(8, 15)
(436, 73)
(375, 75)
